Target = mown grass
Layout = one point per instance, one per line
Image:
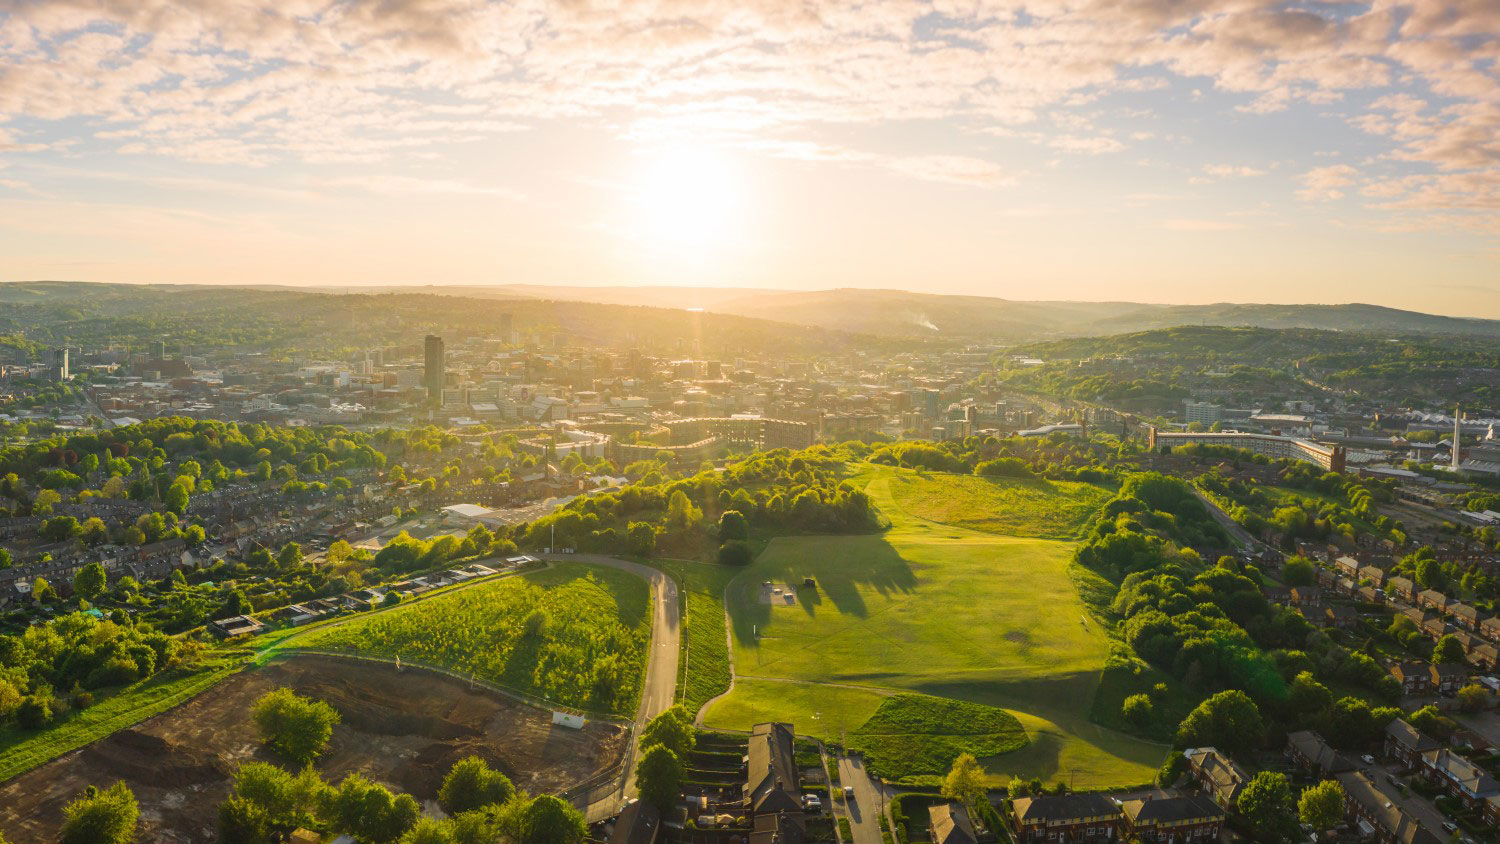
(912, 736)
(941, 610)
(21, 750)
(1012, 507)
(573, 634)
(825, 712)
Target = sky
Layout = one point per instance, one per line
(1147, 150)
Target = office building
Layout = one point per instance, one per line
(432, 370)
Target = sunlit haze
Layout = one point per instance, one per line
(1144, 150)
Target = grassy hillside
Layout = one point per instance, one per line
(1027, 508)
(932, 609)
(573, 634)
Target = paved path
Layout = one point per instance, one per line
(660, 687)
(1227, 522)
(867, 807)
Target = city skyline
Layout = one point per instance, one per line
(1229, 150)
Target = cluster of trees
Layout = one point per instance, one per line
(268, 802)
(1057, 456)
(61, 663)
(1347, 508)
(666, 742)
(776, 491)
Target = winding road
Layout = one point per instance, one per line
(660, 686)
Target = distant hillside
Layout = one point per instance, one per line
(899, 313)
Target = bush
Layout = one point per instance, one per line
(472, 784)
(35, 712)
(107, 817)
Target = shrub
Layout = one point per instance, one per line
(297, 727)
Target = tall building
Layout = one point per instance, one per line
(58, 365)
(1458, 432)
(1201, 411)
(433, 364)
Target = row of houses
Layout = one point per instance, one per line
(1088, 817)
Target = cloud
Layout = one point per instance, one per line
(1187, 225)
(1324, 184)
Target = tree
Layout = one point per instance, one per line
(1298, 571)
(732, 525)
(1267, 805)
(965, 781)
(235, 603)
(681, 514)
(673, 729)
(368, 811)
(176, 498)
(296, 726)
(430, 831)
(1473, 697)
(472, 784)
(548, 820)
(101, 817)
(1448, 650)
(736, 552)
(1229, 720)
(41, 590)
(243, 822)
(1308, 697)
(658, 774)
(1322, 806)
(640, 538)
(90, 581)
(289, 557)
(1138, 710)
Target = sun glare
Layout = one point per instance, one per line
(687, 199)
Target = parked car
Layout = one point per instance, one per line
(1367, 759)
(849, 792)
(1450, 826)
(811, 803)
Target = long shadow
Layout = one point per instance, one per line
(842, 566)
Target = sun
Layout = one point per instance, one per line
(687, 199)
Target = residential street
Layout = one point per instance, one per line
(868, 805)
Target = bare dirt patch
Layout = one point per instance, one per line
(404, 729)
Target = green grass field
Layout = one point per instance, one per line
(1026, 508)
(913, 736)
(573, 634)
(942, 610)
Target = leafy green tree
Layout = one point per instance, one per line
(60, 529)
(430, 831)
(243, 822)
(41, 590)
(1473, 697)
(176, 498)
(289, 557)
(1229, 720)
(369, 811)
(548, 820)
(1138, 710)
(1322, 806)
(472, 784)
(1299, 571)
(1308, 697)
(90, 581)
(673, 729)
(732, 525)
(1448, 650)
(640, 538)
(1268, 806)
(966, 782)
(101, 817)
(658, 775)
(681, 513)
(297, 727)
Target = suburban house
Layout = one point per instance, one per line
(639, 823)
(1492, 810)
(1436, 627)
(778, 828)
(1347, 566)
(772, 784)
(1485, 656)
(1449, 677)
(1464, 616)
(949, 824)
(1173, 820)
(1490, 627)
(1340, 617)
(1414, 676)
(1468, 782)
(1218, 775)
(1066, 818)
(1307, 597)
(1313, 755)
(1374, 574)
(1377, 817)
(1400, 587)
(1432, 598)
(1406, 743)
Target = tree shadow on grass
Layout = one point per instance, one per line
(842, 566)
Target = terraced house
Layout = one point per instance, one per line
(1376, 815)
(1066, 818)
(1406, 743)
(1173, 820)
(1218, 775)
(1313, 755)
(1468, 782)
